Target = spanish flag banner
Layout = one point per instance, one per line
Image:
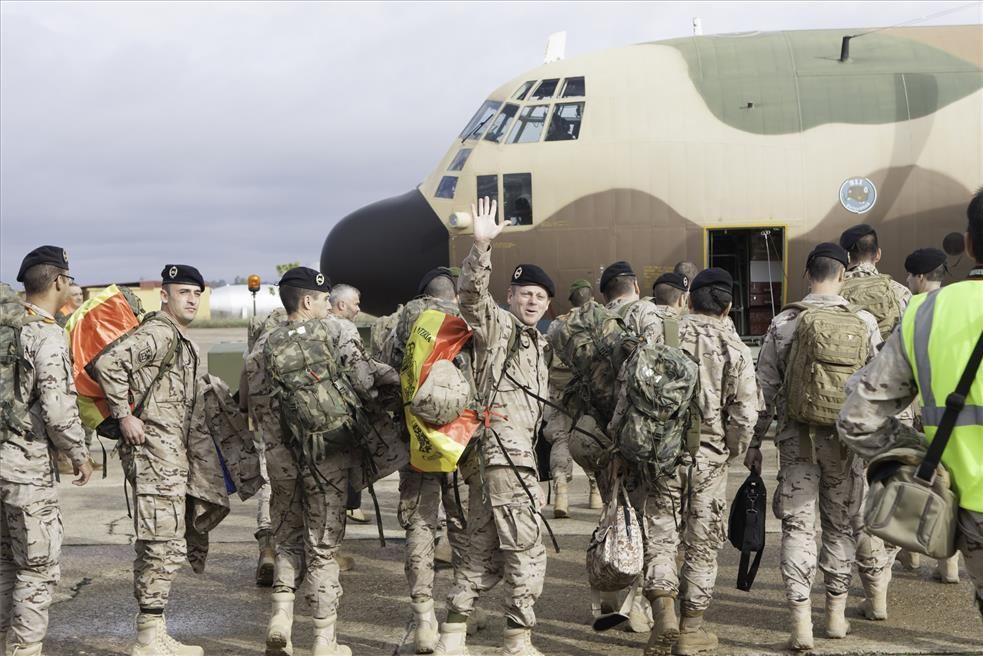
(100, 322)
(435, 336)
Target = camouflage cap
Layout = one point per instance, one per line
(580, 283)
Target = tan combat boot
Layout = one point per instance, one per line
(595, 502)
(947, 571)
(281, 623)
(874, 606)
(665, 628)
(561, 505)
(152, 639)
(325, 640)
(477, 620)
(909, 559)
(800, 638)
(25, 650)
(693, 636)
(425, 631)
(453, 637)
(837, 625)
(518, 642)
(265, 565)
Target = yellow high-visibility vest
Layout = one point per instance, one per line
(939, 330)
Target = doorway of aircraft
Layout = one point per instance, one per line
(755, 257)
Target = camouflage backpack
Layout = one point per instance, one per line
(874, 294)
(14, 415)
(593, 342)
(317, 402)
(260, 325)
(658, 413)
(379, 335)
(829, 344)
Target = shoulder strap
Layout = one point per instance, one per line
(953, 406)
(670, 327)
(165, 366)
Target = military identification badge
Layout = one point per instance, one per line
(858, 195)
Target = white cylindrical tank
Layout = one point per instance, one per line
(236, 301)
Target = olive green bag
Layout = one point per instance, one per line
(914, 507)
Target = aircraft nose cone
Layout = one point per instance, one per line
(384, 249)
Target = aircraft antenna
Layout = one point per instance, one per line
(556, 46)
(697, 26)
(845, 44)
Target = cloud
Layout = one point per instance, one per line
(234, 135)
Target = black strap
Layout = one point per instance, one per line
(745, 574)
(378, 516)
(954, 404)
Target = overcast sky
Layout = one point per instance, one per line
(232, 136)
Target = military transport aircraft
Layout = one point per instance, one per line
(740, 151)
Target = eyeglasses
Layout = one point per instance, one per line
(71, 279)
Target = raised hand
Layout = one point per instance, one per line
(485, 227)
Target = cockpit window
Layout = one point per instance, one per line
(565, 124)
(530, 124)
(523, 91)
(480, 120)
(517, 188)
(545, 89)
(446, 187)
(487, 185)
(500, 125)
(573, 87)
(459, 160)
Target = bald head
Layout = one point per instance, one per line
(687, 269)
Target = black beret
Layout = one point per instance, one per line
(530, 274)
(714, 277)
(853, 234)
(616, 270)
(924, 260)
(434, 273)
(830, 250)
(677, 280)
(306, 278)
(53, 255)
(181, 274)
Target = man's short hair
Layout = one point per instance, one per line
(620, 286)
(441, 287)
(292, 296)
(666, 294)
(937, 274)
(343, 292)
(580, 297)
(687, 269)
(40, 277)
(821, 269)
(710, 300)
(975, 228)
(865, 249)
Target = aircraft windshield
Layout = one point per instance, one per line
(480, 120)
(501, 124)
(529, 126)
(565, 124)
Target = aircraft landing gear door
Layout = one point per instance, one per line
(755, 257)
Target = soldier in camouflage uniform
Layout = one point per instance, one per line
(46, 419)
(619, 285)
(504, 530)
(874, 558)
(422, 494)
(833, 476)
(157, 365)
(729, 403)
(557, 424)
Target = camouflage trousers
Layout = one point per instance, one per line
(836, 481)
(159, 524)
(263, 521)
(969, 540)
(309, 528)
(30, 547)
(420, 498)
(690, 506)
(557, 433)
(504, 542)
(874, 557)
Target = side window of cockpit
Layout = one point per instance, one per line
(546, 89)
(573, 87)
(565, 123)
(501, 124)
(488, 186)
(517, 189)
(459, 160)
(530, 124)
(480, 120)
(523, 91)
(446, 187)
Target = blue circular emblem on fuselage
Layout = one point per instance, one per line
(858, 195)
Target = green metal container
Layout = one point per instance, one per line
(225, 360)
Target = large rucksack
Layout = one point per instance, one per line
(829, 344)
(874, 294)
(260, 325)
(317, 401)
(14, 414)
(658, 415)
